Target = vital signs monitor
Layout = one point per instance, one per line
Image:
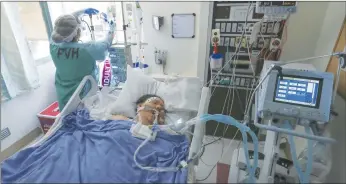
(297, 93)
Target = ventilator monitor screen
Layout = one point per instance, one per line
(298, 91)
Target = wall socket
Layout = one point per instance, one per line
(215, 36)
(160, 56)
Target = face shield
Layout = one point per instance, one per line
(66, 28)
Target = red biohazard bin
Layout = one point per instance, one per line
(48, 116)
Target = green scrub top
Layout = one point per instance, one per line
(74, 61)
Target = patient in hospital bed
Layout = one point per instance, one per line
(85, 150)
(146, 107)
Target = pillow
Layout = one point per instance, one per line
(174, 117)
(136, 85)
(98, 103)
(179, 93)
(183, 93)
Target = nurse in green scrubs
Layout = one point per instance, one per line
(73, 59)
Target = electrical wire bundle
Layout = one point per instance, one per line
(234, 61)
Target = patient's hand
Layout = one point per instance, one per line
(119, 117)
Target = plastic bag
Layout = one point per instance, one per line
(99, 104)
(322, 161)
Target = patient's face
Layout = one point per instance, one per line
(148, 116)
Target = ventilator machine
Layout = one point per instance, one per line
(288, 97)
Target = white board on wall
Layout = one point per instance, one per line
(183, 25)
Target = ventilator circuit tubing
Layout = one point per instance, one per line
(244, 130)
(204, 118)
(303, 177)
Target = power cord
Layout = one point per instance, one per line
(234, 58)
(229, 146)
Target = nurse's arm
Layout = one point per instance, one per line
(98, 48)
(78, 13)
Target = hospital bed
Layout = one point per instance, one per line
(76, 101)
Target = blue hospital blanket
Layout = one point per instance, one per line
(89, 151)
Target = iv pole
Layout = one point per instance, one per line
(128, 45)
(124, 25)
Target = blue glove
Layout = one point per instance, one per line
(112, 26)
(91, 11)
(104, 16)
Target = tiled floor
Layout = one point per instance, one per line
(37, 138)
(212, 155)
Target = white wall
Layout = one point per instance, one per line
(332, 23)
(183, 53)
(303, 30)
(19, 114)
(313, 30)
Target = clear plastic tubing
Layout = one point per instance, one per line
(229, 121)
(303, 177)
(243, 129)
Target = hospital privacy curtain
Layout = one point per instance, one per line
(18, 70)
(4, 92)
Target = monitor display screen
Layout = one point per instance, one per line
(298, 91)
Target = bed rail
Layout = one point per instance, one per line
(87, 83)
(76, 98)
(199, 130)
